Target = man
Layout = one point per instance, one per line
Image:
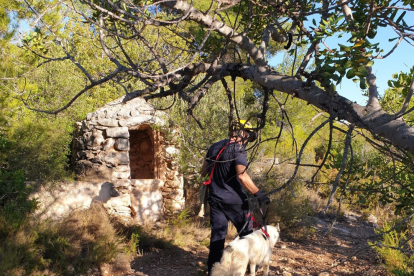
(226, 164)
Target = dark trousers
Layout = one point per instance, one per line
(220, 215)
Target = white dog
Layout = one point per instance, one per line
(254, 249)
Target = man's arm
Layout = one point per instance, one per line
(204, 169)
(245, 179)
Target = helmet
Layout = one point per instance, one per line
(241, 125)
(251, 133)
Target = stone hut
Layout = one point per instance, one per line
(133, 149)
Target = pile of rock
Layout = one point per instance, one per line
(102, 150)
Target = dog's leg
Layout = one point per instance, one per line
(265, 269)
(266, 262)
(252, 269)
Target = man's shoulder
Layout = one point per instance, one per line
(220, 143)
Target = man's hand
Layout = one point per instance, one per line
(262, 198)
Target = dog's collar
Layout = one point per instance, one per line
(264, 233)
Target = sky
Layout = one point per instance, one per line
(402, 59)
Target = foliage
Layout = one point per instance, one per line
(14, 201)
(39, 148)
(34, 142)
(398, 93)
(391, 249)
(74, 245)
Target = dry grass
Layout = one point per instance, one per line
(84, 239)
(78, 244)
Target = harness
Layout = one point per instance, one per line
(208, 182)
(263, 227)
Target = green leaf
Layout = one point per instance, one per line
(348, 64)
(350, 74)
(328, 68)
(361, 72)
(400, 17)
(314, 21)
(362, 83)
(340, 69)
(394, 13)
(326, 74)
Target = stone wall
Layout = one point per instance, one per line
(135, 148)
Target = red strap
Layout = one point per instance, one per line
(208, 182)
(261, 227)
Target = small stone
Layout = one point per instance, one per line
(122, 144)
(372, 219)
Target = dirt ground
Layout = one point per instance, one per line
(342, 251)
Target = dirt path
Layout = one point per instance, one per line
(344, 251)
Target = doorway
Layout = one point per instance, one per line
(141, 153)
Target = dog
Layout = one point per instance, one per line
(254, 249)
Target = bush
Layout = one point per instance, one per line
(392, 249)
(14, 202)
(86, 238)
(83, 240)
(39, 148)
(15, 206)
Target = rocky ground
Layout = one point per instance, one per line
(342, 251)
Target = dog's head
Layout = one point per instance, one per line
(274, 233)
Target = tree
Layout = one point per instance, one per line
(190, 46)
(156, 49)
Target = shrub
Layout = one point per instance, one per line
(392, 247)
(15, 206)
(83, 240)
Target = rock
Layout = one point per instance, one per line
(120, 175)
(351, 218)
(97, 138)
(121, 183)
(116, 158)
(63, 199)
(342, 231)
(86, 126)
(372, 220)
(117, 132)
(148, 203)
(123, 200)
(146, 109)
(108, 122)
(122, 144)
(147, 184)
(139, 120)
(108, 144)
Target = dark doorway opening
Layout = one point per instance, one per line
(141, 154)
